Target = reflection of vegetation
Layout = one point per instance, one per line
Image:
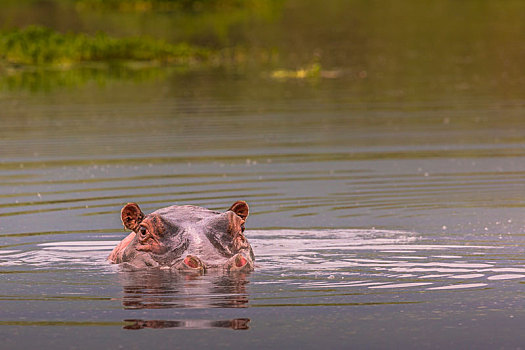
(401, 48)
(37, 45)
(41, 59)
(107, 40)
(49, 79)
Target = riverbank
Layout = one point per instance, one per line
(45, 47)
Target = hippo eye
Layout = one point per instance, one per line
(143, 232)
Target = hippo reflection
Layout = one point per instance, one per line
(185, 238)
(236, 324)
(165, 289)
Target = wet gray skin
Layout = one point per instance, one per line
(185, 238)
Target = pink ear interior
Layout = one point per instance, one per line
(131, 216)
(241, 208)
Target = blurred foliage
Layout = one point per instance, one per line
(36, 45)
(210, 23)
(313, 71)
(62, 43)
(397, 48)
(188, 6)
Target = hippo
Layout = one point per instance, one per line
(185, 238)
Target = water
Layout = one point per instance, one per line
(388, 224)
(386, 203)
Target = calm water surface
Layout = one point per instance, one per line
(374, 223)
(386, 196)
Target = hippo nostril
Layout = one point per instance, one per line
(240, 261)
(191, 262)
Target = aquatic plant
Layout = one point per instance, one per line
(35, 45)
(312, 71)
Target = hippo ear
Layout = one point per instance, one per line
(131, 216)
(240, 208)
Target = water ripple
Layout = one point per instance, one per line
(312, 261)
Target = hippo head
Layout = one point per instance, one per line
(185, 237)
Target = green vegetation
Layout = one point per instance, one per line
(211, 23)
(134, 40)
(403, 47)
(313, 71)
(36, 45)
(167, 5)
